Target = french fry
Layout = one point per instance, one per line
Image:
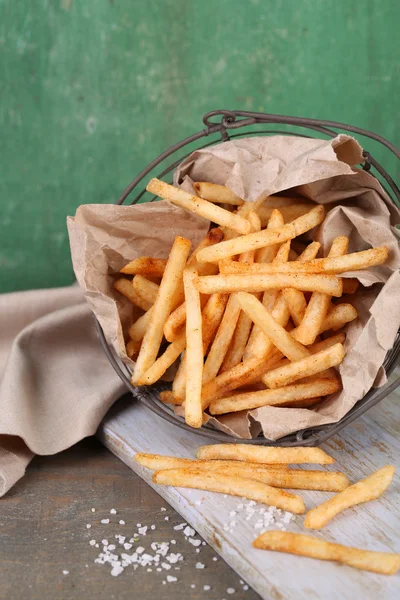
(212, 315)
(162, 307)
(160, 462)
(139, 327)
(146, 290)
(216, 193)
(233, 486)
(289, 213)
(294, 298)
(224, 335)
(306, 282)
(194, 351)
(268, 253)
(365, 490)
(266, 454)
(256, 240)
(244, 323)
(283, 396)
(132, 348)
(177, 318)
(384, 563)
(318, 305)
(286, 375)
(271, 328)
(169, 356)
(339, 315)
(168, 398)
(329, 266)
(198, 206)
(125, 287)
(145, 265)
(242, 374)
(274, 475)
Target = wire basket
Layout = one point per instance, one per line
(219, 131)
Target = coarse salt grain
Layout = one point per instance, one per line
(93, 510)
(180, 526)
(171, 578)
(166, 518)
(65, 572)
(206, 588)
(88, 525)
(197, 550)
(245, 587)
(230, 591)
(142, 530)
(200, 565)
(113, 511)
(117, 570)
(194, 542)
(215, 558)
(153, 527)
(189, 532)
(163, 509)
(105, 521)
(127, 546)
(121, 522)
(192, 586)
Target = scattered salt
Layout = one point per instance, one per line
(180, 526)
(121, 522)
(245, 587)
(200, 565)
(215, 558)
(171, 578)
(113, 511)
(206, 588)
(230, 591)
(142, 530)
(189, 532)
(93, 510)
(153, 527)
(65, 572)
(105, 521)
(163, 509)
(88, 525)
(194, 542)
(166, 518)
(117, 570)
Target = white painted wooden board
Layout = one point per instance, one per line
(369, 443)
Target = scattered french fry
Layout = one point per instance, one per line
(363, 491)
(384, 563)
(145, 265)
(274, 475)
(256, 240)
(312, 365)
(338, 317)
(169, 398)
(194, 351)
(233, 486)
(283, 396)
(132, 348)
(265, 454)
(162, 307)
(216, 193)
(198, 206)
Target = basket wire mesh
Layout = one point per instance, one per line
(219, 131)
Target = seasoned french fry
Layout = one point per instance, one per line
(132, 348)
(159, 462)
(238, 344)
(233, 486)
(318, 305)
(146, 290)
(268, 253)
(145, 265)
(365, 490)
(306, 282)
(125, 287)
(242, 374)
(384, 563)
(338, 316)
(275, 475)
(169, 356)
(162, 307)
(177, 318)
(283, 396)
(256, 240)
(329, 266)
(265, 454)
(168, 398)
(139, 327)
(216, 193)
(198, 206)
(271, 328)
(285, 375)
(289, 213)
(194, 351)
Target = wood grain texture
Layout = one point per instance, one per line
(43, 532)
(368, 444)
(92, 91)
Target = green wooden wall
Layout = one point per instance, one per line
(92, 90)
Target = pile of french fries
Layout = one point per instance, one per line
(253, 314)
(259, 473)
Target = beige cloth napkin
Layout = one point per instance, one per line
(56, 384)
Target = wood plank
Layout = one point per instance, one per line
(362, 448)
